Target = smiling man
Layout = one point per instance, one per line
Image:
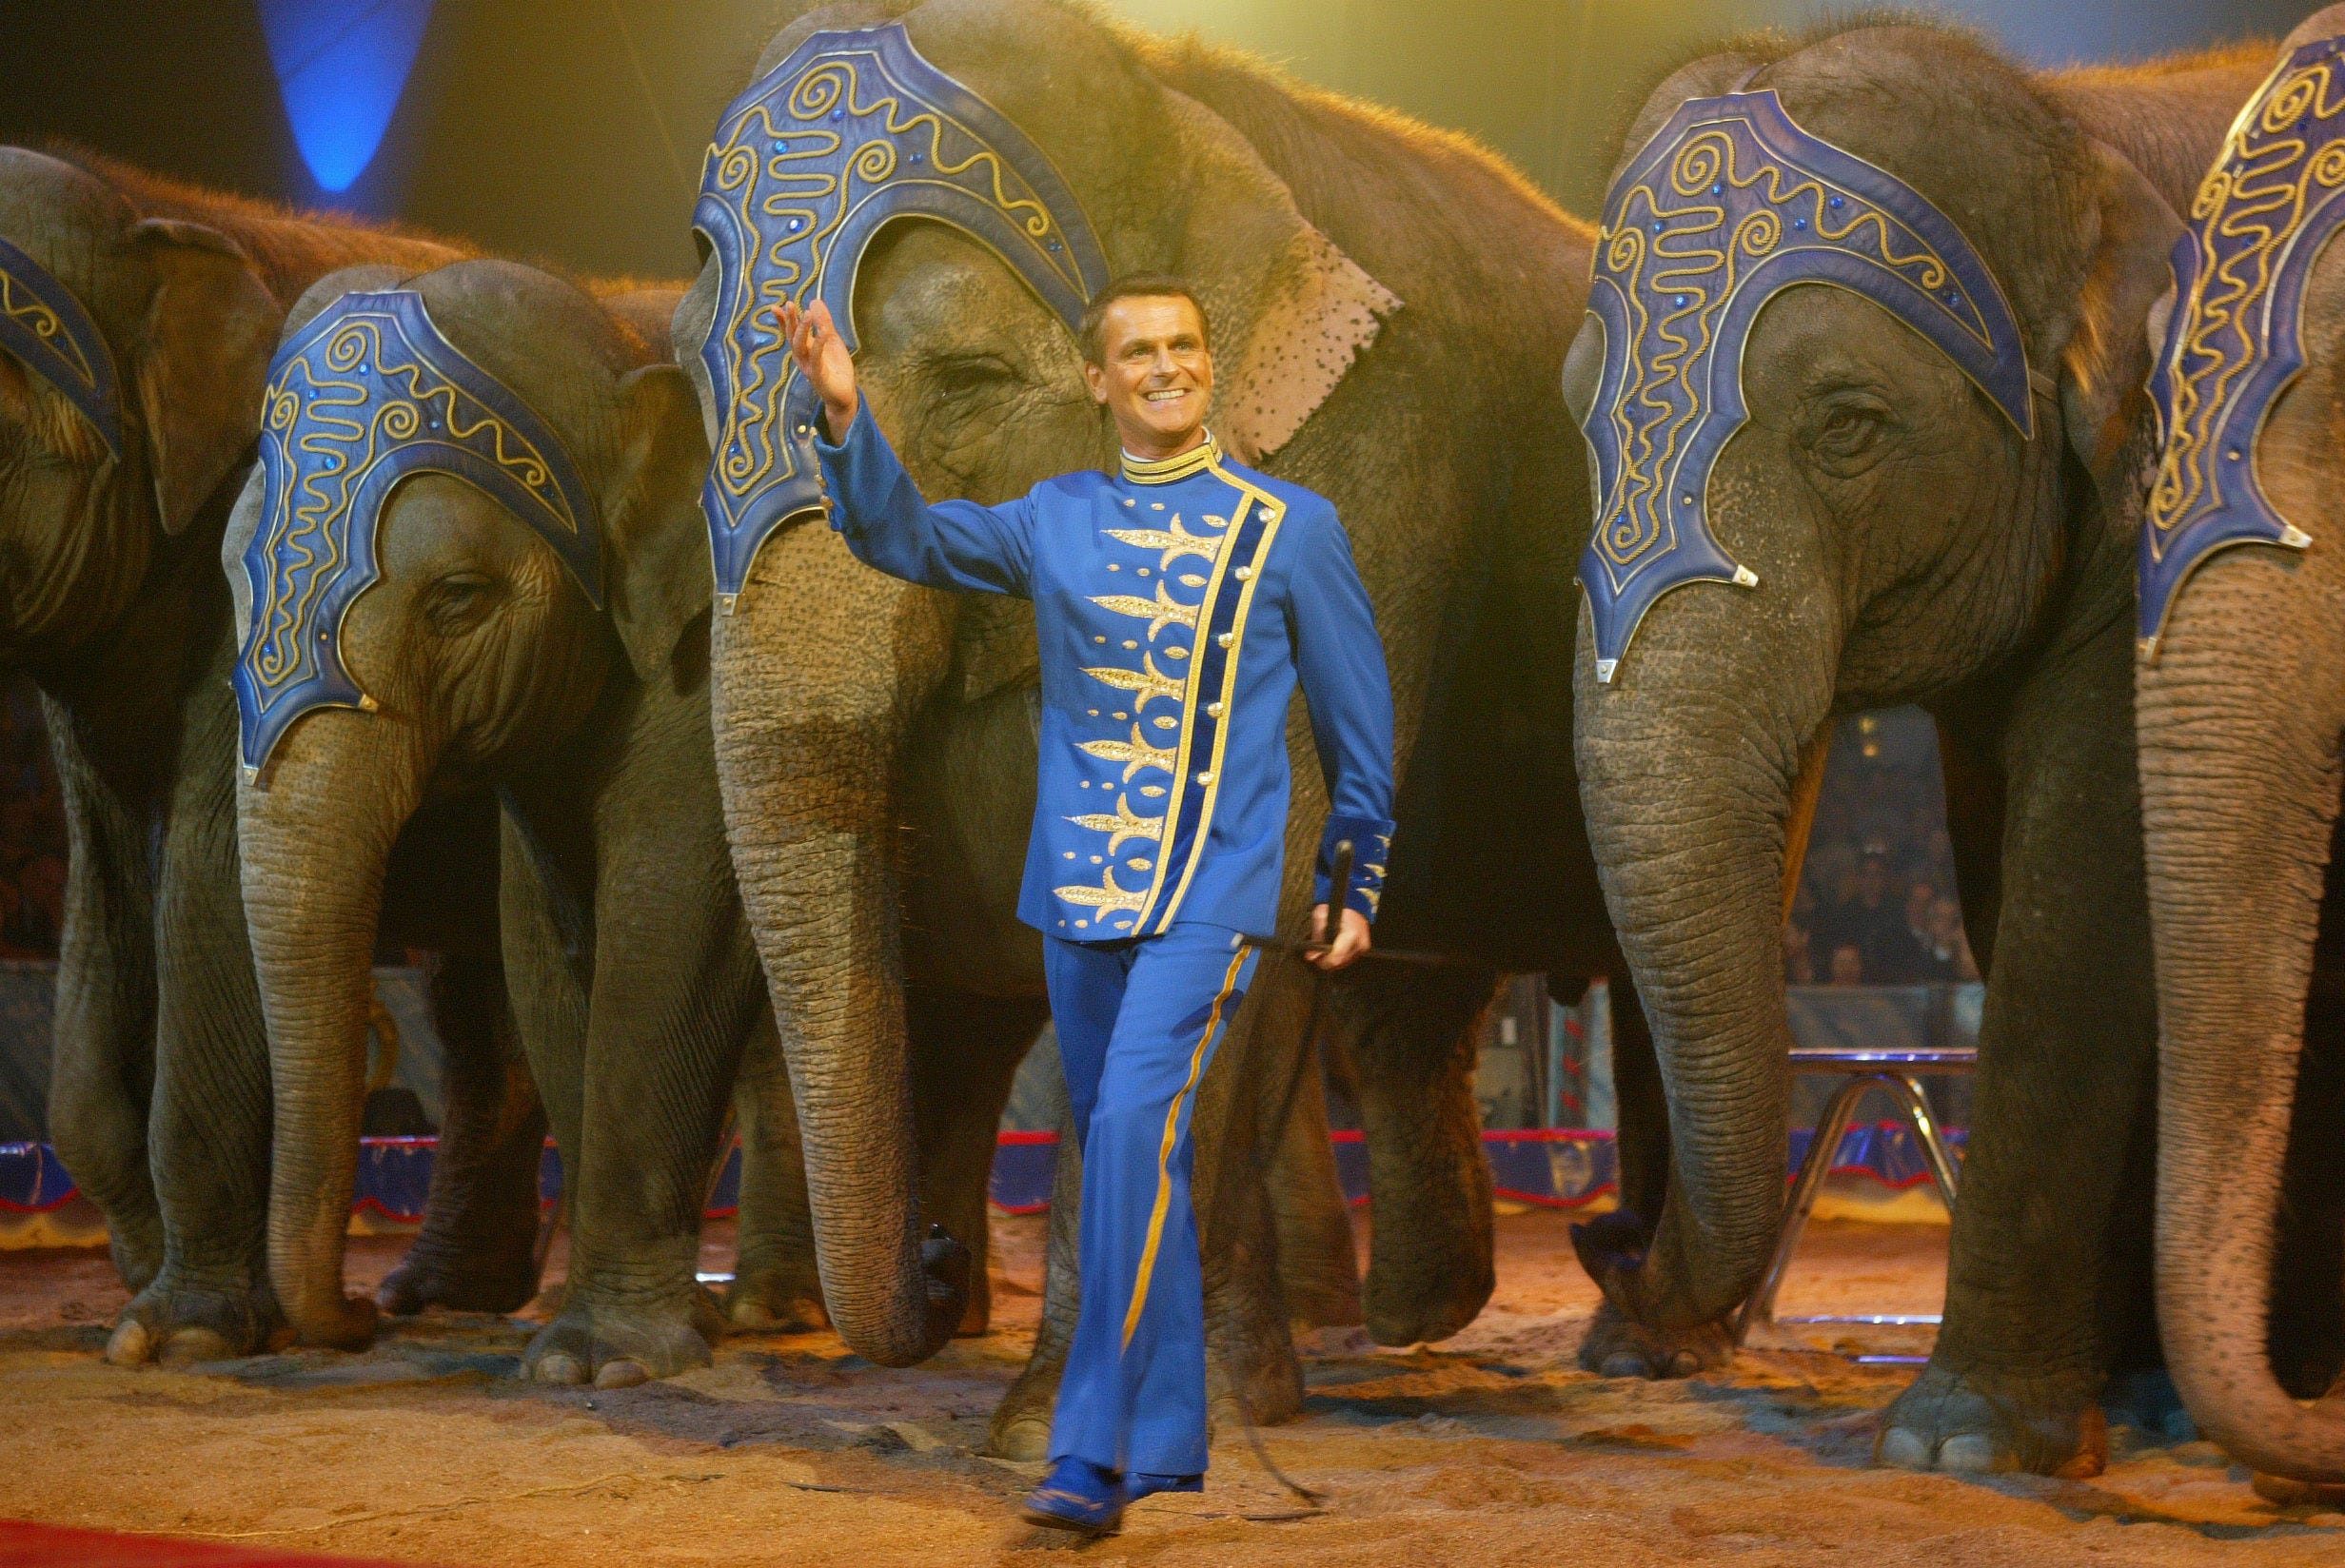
(1178, 602)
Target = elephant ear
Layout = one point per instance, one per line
(656, 561)
(244, 522)
(1292, 312)
(201, 362)
(2104, 360)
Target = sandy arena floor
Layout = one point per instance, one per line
(1490, 1449)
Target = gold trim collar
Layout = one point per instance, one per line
(1165, 470)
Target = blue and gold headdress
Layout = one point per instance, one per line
(1728, 206)
(2232, 341)
(366, 395)
(44, 325)
(854, 129)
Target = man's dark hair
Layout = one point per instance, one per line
(1139, 285)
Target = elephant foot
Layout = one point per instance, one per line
(619, 1347)
(1021, 1426)
(137, 1252)
(1972, 1425)
(177, 1323)
(1617, 1347)
(776, 1299)
(429, 1277)
(2299, 1493)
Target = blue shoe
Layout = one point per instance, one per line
(1141, 1483)
(1079, 1495)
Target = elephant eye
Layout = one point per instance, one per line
(458, 600)
(1845, 431)
(971, 375)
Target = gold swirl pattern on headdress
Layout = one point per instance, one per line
(2232, 341)
(854, 129)
(364, 395)
(1730, 204)
(50, 332)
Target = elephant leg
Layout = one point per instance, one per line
(1021, 1426)
(2305, 1336)
(1254, 1374)
(1616, 1345)
(1412, 1037)
(210, 1125)
(965, 1052)
(1318, 1264)
(102, 1073)
(476, 1251)
(1247, 1094)
(1641, 1138)
(2045, 1242)
(676, 993)
(776, 1286)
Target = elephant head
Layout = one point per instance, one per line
(473, 605)
(2241, 703)
(966, 352)
(130, 393)
(1898, 514)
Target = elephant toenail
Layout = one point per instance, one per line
(1902, 1448)
(1624, 1364)
(560, 1368)
(189, 1346)
(130, 1343)
(1684, 1364)
(1970, 1454)
(620, 1374)
(1024, 1439)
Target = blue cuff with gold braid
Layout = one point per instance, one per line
(1371, 845)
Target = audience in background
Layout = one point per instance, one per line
(1875, 904)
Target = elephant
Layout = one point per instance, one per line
(1389, 306)
(574, 683)
(1911, 545)
(118, 468)
(483, 660)
(2239, 790)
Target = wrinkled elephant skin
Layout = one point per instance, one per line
(2240, 713)
(115, 607)
(1431, 426)
(1911, 545)
(635, 985)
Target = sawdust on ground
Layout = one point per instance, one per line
(1489, 1448)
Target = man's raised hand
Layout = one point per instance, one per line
(823, 360)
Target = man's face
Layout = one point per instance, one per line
(1157, 375)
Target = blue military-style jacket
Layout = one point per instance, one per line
(1177, 603)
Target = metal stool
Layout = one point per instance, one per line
(1900, 1072)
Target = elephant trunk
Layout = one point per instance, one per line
(1686, 768)
(811, 816)
(316, 841)
(2239, 797)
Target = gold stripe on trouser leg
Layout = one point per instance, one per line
(1164, 1155)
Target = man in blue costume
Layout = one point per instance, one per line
(1178, 602)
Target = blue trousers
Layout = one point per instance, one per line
(1137, 1026)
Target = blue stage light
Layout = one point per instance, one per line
(340, 65)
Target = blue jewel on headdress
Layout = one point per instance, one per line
(2235, 338)
(343, 422)
(1669, 395)
(912, 143)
